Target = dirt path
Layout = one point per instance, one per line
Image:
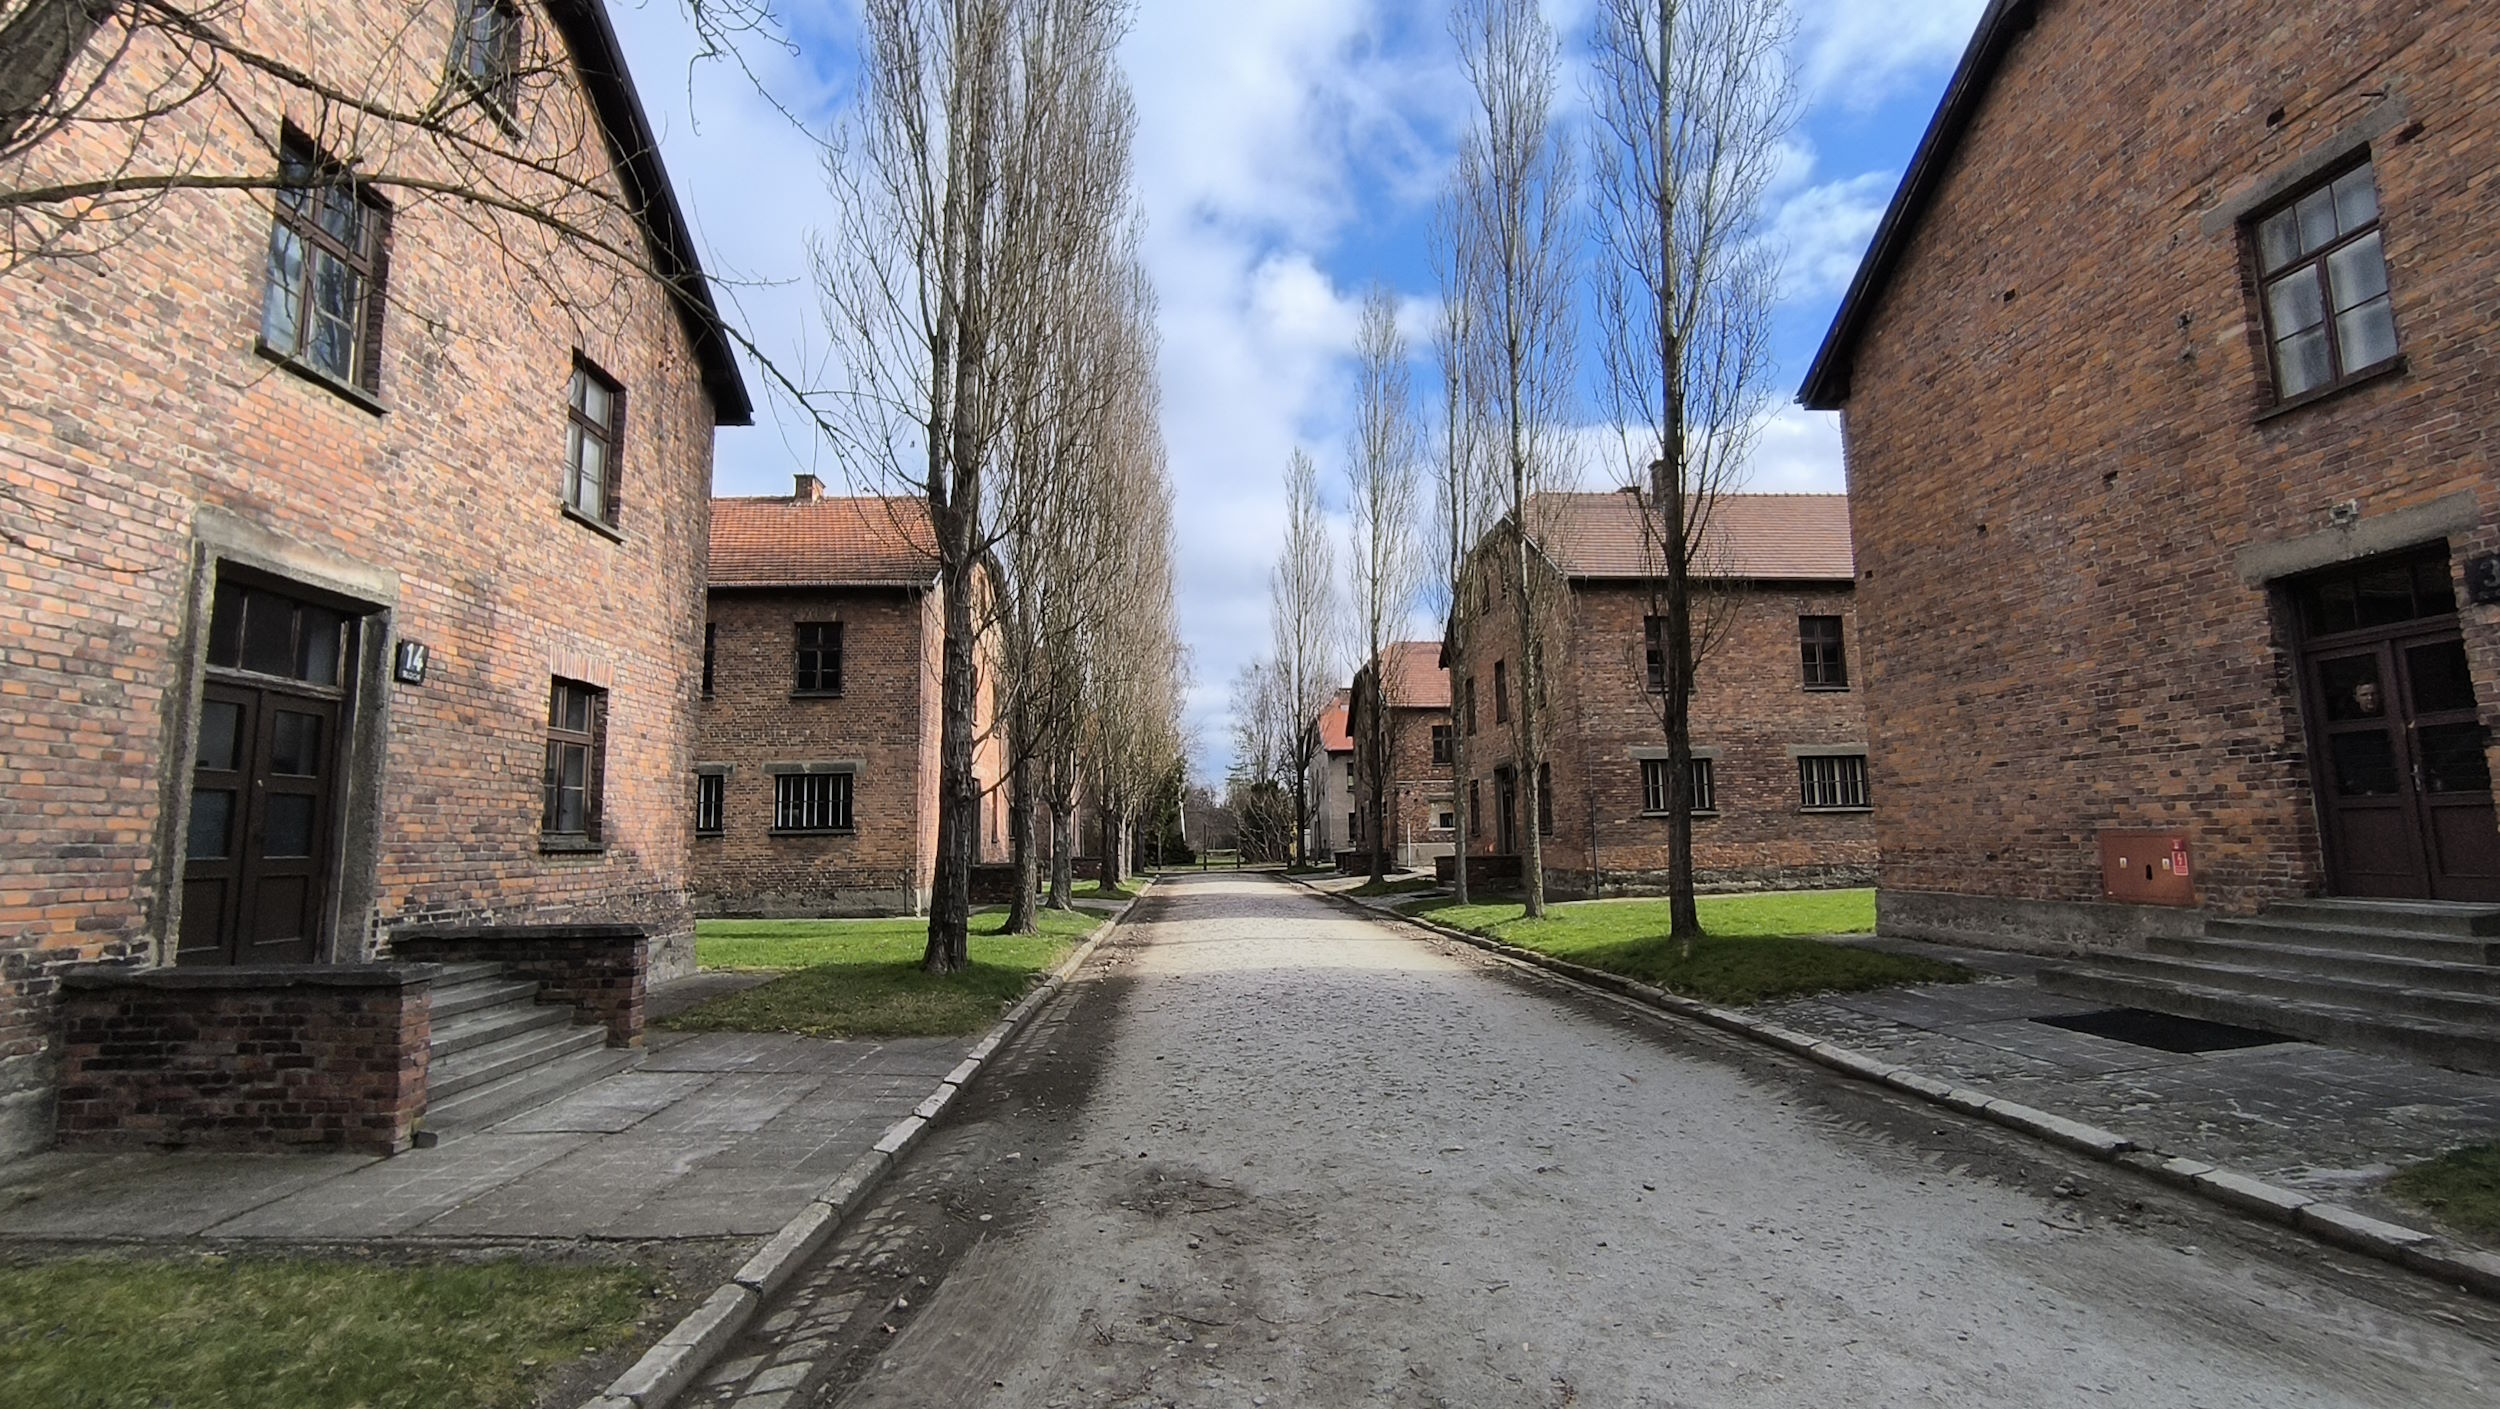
(1271, 1153)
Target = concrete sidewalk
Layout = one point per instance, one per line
(713, 1135)
(2321, 1120)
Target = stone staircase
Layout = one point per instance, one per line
(497, 1049)
(2415, 979)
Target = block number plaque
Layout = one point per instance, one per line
(409, 663)
(2482, 579)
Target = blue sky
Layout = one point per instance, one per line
(1288, 155)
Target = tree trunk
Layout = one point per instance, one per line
(1063, 857)
(959, 795)
(1531, 745)
(1021, 910)
(1460, 758)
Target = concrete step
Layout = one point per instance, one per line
(487, 991)
(479, 1027)
(2358, 965)
(2438, 946)
(2415, 916)
(482, 1105)
(461, 1071)
(2396, 1001)
(2460, 1046)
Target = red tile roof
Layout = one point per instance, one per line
(798, 542)
(1336, 733)
(1756, 537)
(1417, 679)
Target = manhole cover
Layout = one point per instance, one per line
(2165, 1031)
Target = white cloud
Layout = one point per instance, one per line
(1797, 451)
(1824, 231)
(1860, 52)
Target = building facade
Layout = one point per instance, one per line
(1781, 774)
(1329, 790)
(2174, 489)
(1416, 768)
(354, 584)
(816, 759)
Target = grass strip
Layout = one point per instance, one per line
(289, 1333)
(2461, 1188)
(1758, 947)
(862, 978)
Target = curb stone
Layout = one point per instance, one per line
(664, 1371)
(2468, 1268)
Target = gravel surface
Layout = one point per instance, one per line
(1273, 1153)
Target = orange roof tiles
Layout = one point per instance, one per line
(801, 542)
(1336, 732)
(1417, 679)
(1755, 537)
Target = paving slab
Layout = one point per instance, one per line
(395, 1196)
(582, 1192)
(173, 1195)
(605, 1107)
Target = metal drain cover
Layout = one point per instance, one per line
(2164, 1031)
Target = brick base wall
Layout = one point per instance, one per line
(2029, 926)
(1723, 880)
(243, 1059)
(599, 969)
(1481, 870)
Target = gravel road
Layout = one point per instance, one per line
(1274, 1153)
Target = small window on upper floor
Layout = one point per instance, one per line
(1826, 657)
(322, 311)
(818, 667)
(486, 54)
(594, 431)
(1443, 747)
(2322, 281)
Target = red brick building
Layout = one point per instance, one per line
(816, 761)
(1779, 733)
(2168, 392)
(1418, 775)
(351, 586)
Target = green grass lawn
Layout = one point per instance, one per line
(1101, 891)
(862, 978)
(246, 1333)
(2461, 1187)
(1412, 885)
(1758, 946)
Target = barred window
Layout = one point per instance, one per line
(711, 799)
(819, 668)
(812, 802)
(1826, 659)
(1654, 775)
(1832, 780)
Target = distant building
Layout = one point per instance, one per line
(1779, 733)
(1330, 791)
(1414, 692)
(816, 763)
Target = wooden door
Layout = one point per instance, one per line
(1506, 812)
(257, 847)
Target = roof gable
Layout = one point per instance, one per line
(1827, 381)
(869, 542)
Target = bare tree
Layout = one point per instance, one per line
(1302, 610)
(1384, 493)
(973, 157)
(1693, 99)
(1513, 202)
(1463, 488)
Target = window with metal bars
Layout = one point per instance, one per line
(1654, 777)
(812, 802)
(2322, 282)
(711, 803)
(1827, 781)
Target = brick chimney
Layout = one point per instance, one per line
(810, 489)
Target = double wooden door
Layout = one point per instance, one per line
(258, 853)
(2403, 762)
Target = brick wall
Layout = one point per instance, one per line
(597, 970)
(243, 1059)
(135, 414)
(1750, 710)
(1418, 789)
(2059, 447)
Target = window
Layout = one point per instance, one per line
(819, 666)
(1349, 775)
(487, 54)
(1353, 828)
(1471, 705)
(1827, 662)
(1442, 744)
(592, 429)
(576, 720)
(711, 639)
(1445, 820)
(1654, 635)
(1654, 800)
(1832, 781)
(711, 798)
(812, 802)
(2322, 280)
(1475, 808)
(257, 630)
(1501, 692)
(323, 308)
(1545, 799)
